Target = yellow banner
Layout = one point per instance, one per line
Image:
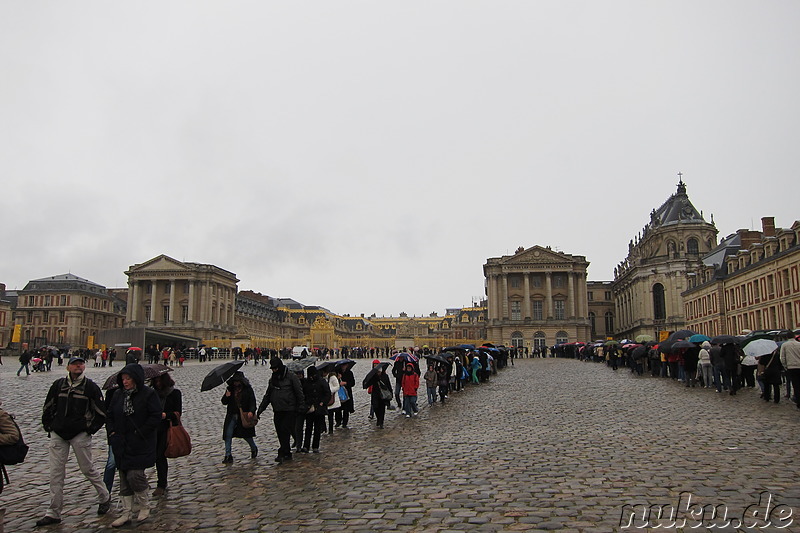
(90, 342)
(17, 335)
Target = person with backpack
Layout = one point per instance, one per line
(73, 412)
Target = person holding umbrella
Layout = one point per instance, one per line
(377, 381)
(285, 394)
(348, 381)
(239, 398)
(317, 393)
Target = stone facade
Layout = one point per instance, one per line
(6, 322)
(600, 296)
(192, 299)
(537, 297)
(751, 281)
(66, 311)
(648, 283)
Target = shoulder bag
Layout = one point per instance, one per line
(179, 444)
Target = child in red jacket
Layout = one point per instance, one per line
(410, 386)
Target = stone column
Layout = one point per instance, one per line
(504, 287)
(548, 302)
(527, 312)
(153, 302)
(191, 301)
(571, 295)
(172, 285)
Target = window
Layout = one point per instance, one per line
(593, 323)
(465, 317)
(147, 312)
(46, 317)
(608, 296)
(558, 281)
(184, 313)
(539, 340)
(62, 317)
(591, 296)
(517, 340)
(47, 300)
(166, 313)
(29, 318)
(167, 288)
(609, 323)
(63, 299)
(31, 301)
(537, 281)
(538, 305)
(185, 287)
(561, 337)
(659, 304)
(516, 312)
(692, 247)
(515, 282)
(559, 309)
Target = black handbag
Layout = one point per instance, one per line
(12, 454)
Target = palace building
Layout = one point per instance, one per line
(536, 298)
(648, 284)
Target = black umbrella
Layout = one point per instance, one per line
(150, 371)
(724, 339)
(220, 375)
(681, 334)
(338, 364)
(639, 352)
(371, 373)
(438, 358)
(683, 345)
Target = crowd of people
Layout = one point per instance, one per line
(307, 401)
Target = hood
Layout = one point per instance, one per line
(239, 376)
(135, 371)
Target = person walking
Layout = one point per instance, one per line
(706, 368)
(285, 394)
(410, 387)
(72, 413)
(378, 385)
(335, 408)
(430, 384)
(317, 393)
(171, 401)
(790, 360)
(239, 398)
(348, 381)
(133, 421)
(769, 371)
(25, 363)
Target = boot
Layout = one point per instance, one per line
(125, 516)
(143, 501)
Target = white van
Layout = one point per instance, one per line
(297, 352)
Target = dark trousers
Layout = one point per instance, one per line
(347, 408)
(379, 406)
(793, 376)
(161, 462)
(314, 425)
(769, 388)
(284, 427)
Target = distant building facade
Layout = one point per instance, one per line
(600, 295)
(751, 281)
(191, 299)
(6, 322)
(648, 284)
(536, 298)
(65, 311)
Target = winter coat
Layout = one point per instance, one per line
(334, 385)
(430, 378)
(71, 408)
(247, 402)
(284, 392)
(133, 436)
(375, 390)
(9, 434)
(316, 393)
(410, 383)
(769, 370)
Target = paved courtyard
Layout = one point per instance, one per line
(547, 445)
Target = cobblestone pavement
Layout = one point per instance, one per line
(547, 445)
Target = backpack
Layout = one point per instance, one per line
(12, 454)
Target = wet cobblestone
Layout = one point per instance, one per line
(546, 445)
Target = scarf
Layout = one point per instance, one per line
(127, 402)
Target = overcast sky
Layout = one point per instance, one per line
(369, 157)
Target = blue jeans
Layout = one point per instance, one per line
(229, 438)
(410, 404)
(110, 470)
(431, 395)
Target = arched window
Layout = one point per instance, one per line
(692, 247)
(659, 304)
(539, 340)
(517, 339)
(561, 337)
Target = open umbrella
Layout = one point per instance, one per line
(697, 338)
(681, 334)
(372, 373)
(643, 338)
(150, 371)
(759, 347)
(341, 362)
(220, 375)
(438, 358)
(611, 343)
(724, 339)
(404, 357)
(300, 365)
(683, 345)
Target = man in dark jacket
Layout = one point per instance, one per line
(73, 412)
(285, 393)
(133, 420)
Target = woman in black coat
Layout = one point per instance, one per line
(377, 382)
(239, 394)
(171, 409)
(132, 424)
